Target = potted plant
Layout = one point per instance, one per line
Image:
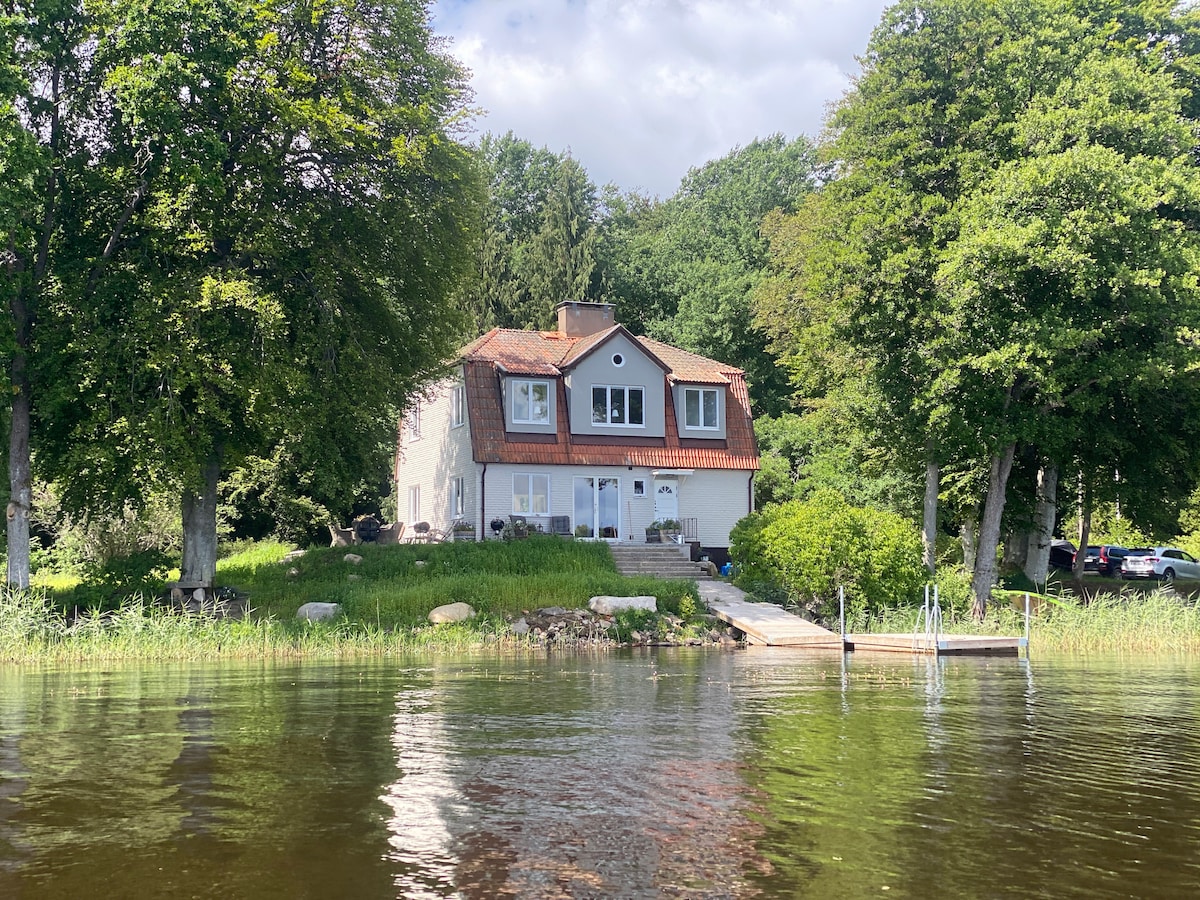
(662, 531)
(463, 531)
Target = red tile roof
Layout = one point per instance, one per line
(508, 351)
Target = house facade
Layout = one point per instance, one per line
(587, 430)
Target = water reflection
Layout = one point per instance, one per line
(678, 774)
(610, 777)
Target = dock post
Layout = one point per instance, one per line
(842, 607)
(1027, 624)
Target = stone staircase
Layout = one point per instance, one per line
(663, 560)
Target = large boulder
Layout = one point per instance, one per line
(608, 606)
(451, 612)
(319, 612)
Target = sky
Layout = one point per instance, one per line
(640, 91)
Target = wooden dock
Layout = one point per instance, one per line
(773, 626)
(944, 644)
(766, 623)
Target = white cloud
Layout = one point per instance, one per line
(642, 90)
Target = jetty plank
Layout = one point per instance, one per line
(769, 624)
(945, 643)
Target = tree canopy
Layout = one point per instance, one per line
(255, 241)
(1007, 240)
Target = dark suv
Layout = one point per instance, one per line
(1105, 559)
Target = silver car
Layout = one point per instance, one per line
(1167, 563)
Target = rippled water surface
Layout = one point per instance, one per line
(763, 773)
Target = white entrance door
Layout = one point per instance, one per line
(666, 499)
(598, 507)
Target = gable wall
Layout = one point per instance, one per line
(440, 454)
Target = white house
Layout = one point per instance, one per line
(588, 430)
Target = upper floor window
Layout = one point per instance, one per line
(458, 405)
(531, 402)
(618, 405)
(414, 422)
(700, 408)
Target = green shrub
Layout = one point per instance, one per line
(811, 548)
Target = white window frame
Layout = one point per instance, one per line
(414, 503)
(458, 406)
(626, 389)
(699, 425)
(639, 487)
(458, 498)
(414, 422)
(528, 491)
(525, 386)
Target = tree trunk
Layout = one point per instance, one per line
(1085, 528)
(989, 531)
(199, 566)
(20, 482)
(929, 520)
(968, 533)
(1037, 557)
(1016, 549)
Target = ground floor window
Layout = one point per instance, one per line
(531, 494)
(457, 498)
(414, 503)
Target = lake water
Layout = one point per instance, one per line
(758, 773)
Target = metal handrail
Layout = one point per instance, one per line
(928, 629)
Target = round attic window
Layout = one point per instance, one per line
(618, 360)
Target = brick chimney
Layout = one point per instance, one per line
(577, 319)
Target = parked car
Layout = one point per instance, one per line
(1062, 554)
(1167, 563)
(1104, 559)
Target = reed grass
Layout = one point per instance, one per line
(385, 601)
(1156, 622)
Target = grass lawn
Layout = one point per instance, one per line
(385, 601)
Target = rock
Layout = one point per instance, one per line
(709, 566)
(451, 612)
(420, 563)
(607, 606)
(293, 556)
(177, 596)
(520, 627)
(353, 558)
(198, 595)
(293, 572)
(353, 577)
(552, 611)
(319, 612)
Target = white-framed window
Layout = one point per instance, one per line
(458, 498)
(414, 503)
(616, 404)
(639, 487)
(700, 408)
(531, 494)
(414, 422)
(458, 405)
(530, 402)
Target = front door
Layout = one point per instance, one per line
(598, 507)
(666, 499)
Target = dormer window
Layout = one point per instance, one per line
(530, 402)
(701, 408)
(614, 404)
